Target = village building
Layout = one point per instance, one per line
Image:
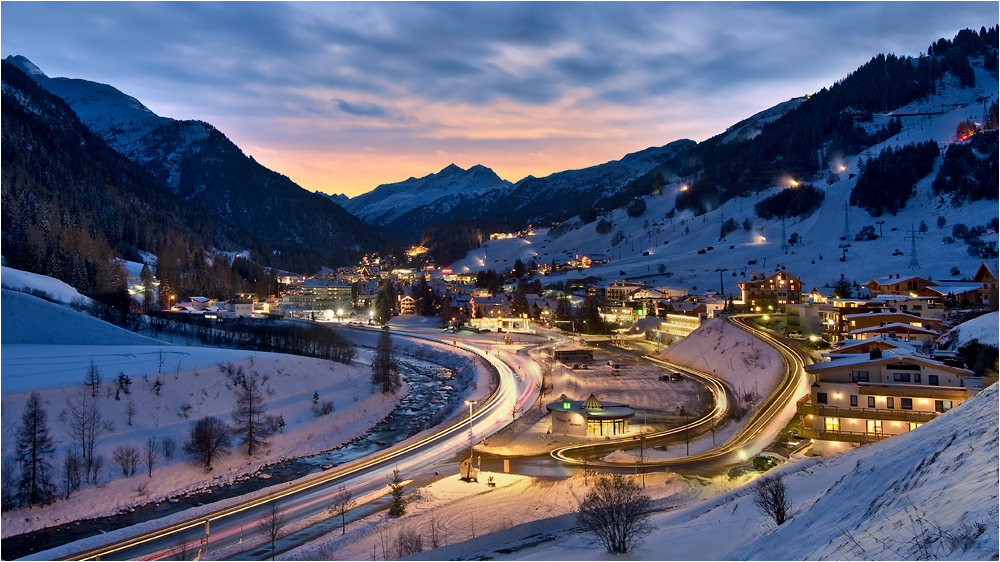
(865, 397)
(775, 289)
(590, 417)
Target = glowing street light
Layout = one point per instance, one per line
(471, 403)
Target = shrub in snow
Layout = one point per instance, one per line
(617, 512)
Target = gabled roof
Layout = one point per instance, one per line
(877, 314)
(897, 327)
(888, 356)
(984, 274)
(892, 280)
(956, 289)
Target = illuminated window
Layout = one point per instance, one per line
(942, 405)
(833, 424)
(875, 426)
(914, 425)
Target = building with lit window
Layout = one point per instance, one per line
(590, 417)
(777, 289)
(865, 397)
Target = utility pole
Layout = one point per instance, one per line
(914, 264)
(721, 285)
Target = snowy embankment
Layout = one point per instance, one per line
(930, 493)
(191, 386)
(985, 329)
(720, 349)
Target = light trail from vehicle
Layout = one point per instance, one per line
(310, 496)
(767, 417)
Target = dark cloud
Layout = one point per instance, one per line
(360, 109)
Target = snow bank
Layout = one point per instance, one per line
(984, 328)
(926, 494)
(30, 320)
(17, 279)
(721, 349)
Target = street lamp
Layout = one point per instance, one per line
(471, 403)
(340, 312)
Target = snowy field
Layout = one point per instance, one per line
(893, 500)
(192, 386)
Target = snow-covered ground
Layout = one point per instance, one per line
(192, 386)
(927, 494)
(718, 348)
(815, 259)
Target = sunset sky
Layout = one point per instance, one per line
(342, 97)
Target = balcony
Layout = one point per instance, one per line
(806, 407)
(846, 436)
(913, 391)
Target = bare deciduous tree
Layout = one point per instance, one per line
(343, 502)
(86, 425)
(589, 458)
(208, 438)
(72, 468)
(169, 446)
(183, 550)
(616, 511)
(408, 542)
(127, 458)
(271, 524)
(770, 496)
(130, 410)
(150, 456)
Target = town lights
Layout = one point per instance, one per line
(684, 188)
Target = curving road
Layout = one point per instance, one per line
(759, 430)
(225, 527)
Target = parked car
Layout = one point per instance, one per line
(763, 464)
(576, 366)
(676, 377)
(616, 373)
(613, 364)
(665, 377)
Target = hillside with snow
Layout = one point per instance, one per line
(691, 251)
(927, 494)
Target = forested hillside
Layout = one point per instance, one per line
(71, 205)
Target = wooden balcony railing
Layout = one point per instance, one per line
(918, 416)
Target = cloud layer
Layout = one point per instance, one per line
(344, 96)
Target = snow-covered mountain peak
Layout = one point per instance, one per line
(26, 66)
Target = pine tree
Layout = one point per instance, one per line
(384, 303)
(146, 276)
(842, 288)
(385, 371)
(249, 418)
(34, 451)
(397, 505)
(93, 379)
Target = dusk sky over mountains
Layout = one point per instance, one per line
(342, 97)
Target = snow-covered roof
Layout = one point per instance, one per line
(956, 289)
(896, 327)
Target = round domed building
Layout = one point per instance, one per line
(590, 417)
